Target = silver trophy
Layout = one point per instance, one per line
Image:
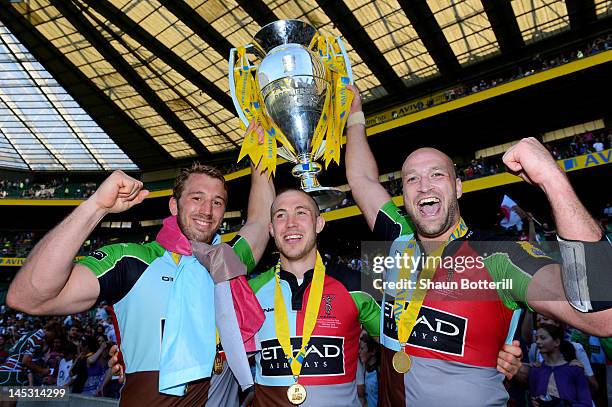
(293, 85)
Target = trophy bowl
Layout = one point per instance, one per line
(293, 84)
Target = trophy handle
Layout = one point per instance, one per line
(232, 86)
(319, 153)
(347, 61)
(287, 155)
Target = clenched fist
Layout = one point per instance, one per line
(531, 161)
(509, 359)
(119, 192)
(114, 364)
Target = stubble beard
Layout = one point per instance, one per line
(448, 222)
(190, 234)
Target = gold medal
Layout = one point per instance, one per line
(218, 364)
(401, 362)
(296, 393)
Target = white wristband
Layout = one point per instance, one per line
(356, 118)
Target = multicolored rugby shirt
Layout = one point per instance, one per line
(330, 366)
(12, 371)
(135, 279)
(459, 332)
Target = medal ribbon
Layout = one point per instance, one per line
(406, 318)
(281, 320)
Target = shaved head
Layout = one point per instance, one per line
(429, 151)
(312, 204)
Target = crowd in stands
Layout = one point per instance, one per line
(588, 142)
(54, 188)
(16, 244)
(70, 352)
(537, 64)
(21, 243)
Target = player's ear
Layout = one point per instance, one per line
(458, 187)
(173, 204)
(320, 224)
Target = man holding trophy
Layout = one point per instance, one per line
(300, 94)
(459, 369)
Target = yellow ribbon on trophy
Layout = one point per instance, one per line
(405, 318)
(333, 118)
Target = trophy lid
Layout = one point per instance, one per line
(283, 32)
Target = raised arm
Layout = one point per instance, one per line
(530, 160)
(547, 292)
(261, 196)
(49, 283)
(361, 168)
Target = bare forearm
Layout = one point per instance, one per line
(94, 358)
(362, 174)
(261, 197)
(360, 162)
(255, 230)
(49, 265)
(34, 367)
(572, 219)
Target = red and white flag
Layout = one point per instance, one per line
(511, 217)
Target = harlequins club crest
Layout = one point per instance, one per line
(327, 302)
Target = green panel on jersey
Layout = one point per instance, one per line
(245, 254)
(369, 312)
(393, 212)
(257, 282)
(104, 259)
(501, 268)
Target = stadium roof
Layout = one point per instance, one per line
(153, 74)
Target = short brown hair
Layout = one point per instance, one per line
(196, 168)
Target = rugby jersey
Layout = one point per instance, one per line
(135, 279)
(459, 331)
(29, 344)
(329, 369)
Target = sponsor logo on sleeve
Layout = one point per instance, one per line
(98, 254)
(532, 250)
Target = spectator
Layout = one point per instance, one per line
(598, 145)
(368, 354)
(74, 335)
(608, 210)
(63, 376)
(26, 355)
(555, 382)
(55, 351)
(96, 365)
(579, 353)
(78, 371)
(3, 351)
